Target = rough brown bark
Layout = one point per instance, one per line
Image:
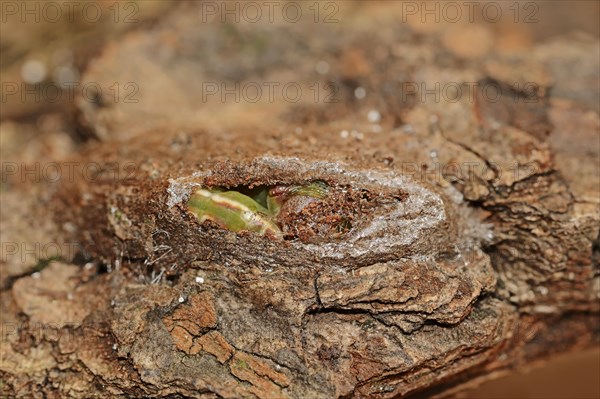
(482, 255)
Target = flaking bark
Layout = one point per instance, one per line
(465, 271)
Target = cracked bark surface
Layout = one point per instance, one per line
(486, 262)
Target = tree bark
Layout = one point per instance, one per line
(473, 244)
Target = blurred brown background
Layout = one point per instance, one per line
(575, 375)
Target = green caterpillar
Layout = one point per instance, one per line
(235, 211)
